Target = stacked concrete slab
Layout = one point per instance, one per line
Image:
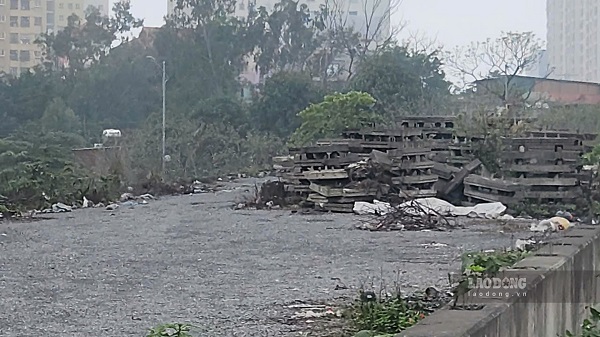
(426, 156)
(361, 166)
(542, 167)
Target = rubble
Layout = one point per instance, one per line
(425, 157)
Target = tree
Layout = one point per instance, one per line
(59, 117)
(282, 96)
(496, 64)
(287, 37)
(120, 92)
(86, 41)
(337, 112)
(402, 81)
(352, 39)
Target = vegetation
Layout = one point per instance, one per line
(590, 326)
(484, 265)
(216, 122)
(171, 330)
(386, 315)
(337, 112)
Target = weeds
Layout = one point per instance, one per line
(386, 316)
(171, 330)
(484, 264)
(590, 326)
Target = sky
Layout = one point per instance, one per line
(451, 23)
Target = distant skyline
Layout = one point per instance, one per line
(452, 23)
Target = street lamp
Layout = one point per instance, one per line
(164, 109)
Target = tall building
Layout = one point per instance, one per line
(22, 21)
(573, 45)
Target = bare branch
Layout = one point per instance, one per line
(504, 58)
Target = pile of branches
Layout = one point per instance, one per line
(409, 216)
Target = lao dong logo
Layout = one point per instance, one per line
(498, 283)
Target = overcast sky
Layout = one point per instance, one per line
(452, 23)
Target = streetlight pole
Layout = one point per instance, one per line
(164, 111)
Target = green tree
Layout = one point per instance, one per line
(286, 38)
(59, 117)
(403, 82)
(283, 95)
(337, 112)
(86, 41)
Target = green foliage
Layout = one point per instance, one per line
(201, 149)
(403, 82)
(337, 112)
(86, 41)
(487, 129)
(490, 263)
(36, 176)
(590, 326)
(582, 118)
(386, 315)
(281, 98)
(484, 264)
(171, 330)
(59, 117)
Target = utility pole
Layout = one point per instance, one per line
(164, 113)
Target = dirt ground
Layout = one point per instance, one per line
(98, 273)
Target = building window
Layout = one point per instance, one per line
(2, 52)
(70, 6)
(353, 13)
(26, 39)
(50, 6)
(14, 71)
(25, 21)
(14, 55)
(2, 35)
(2, 2)
(2, 18)
(77, 6)
(14, 21)
(61, 5)
(37, 3)
(14, 4)
(25, 5)
(37, 54)
(14, 38)
(37, 21)
(50, 19)
(25, 56)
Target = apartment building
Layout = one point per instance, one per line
(572, 42)
(22, 21)
(362, 15)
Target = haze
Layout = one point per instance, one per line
(453, 23)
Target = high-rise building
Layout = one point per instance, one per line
(21, 23)
(572, 42)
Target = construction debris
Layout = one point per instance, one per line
(367, 171)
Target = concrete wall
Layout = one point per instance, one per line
(562, 280)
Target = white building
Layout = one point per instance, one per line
(573, 39)
(365, 16)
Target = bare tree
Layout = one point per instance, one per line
(354, 32)
(495, 65)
